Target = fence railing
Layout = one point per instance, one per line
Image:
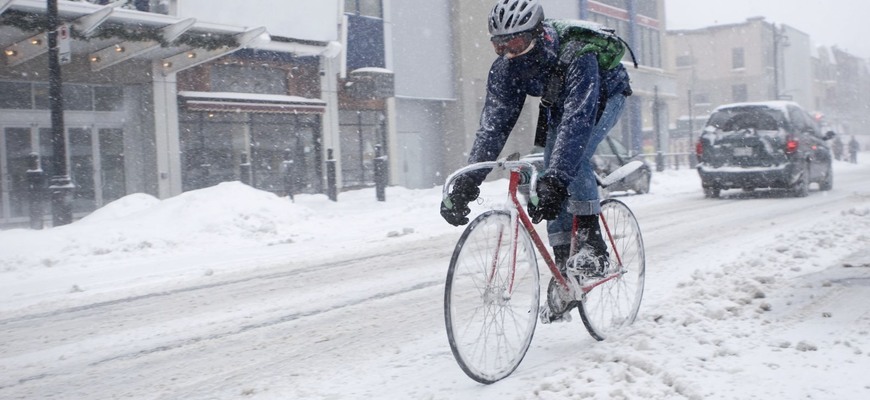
(663, 161)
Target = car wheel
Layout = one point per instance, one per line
(712, 192)
(828, 182)
(643, 182)
(801, 188)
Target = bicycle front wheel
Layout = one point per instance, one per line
(490, 300)
(615, 303)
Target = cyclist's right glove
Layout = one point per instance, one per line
(551, 193)
(464, 191)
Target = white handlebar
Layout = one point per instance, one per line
(501, 164)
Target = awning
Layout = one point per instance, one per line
(108, 35)
(249, 102)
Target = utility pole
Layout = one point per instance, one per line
(60, 186)
(660, 158)
(693, 157)
(779, 40)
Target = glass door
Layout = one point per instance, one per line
(15, 149)
(81, 158)
(112, 176)
(96, 165)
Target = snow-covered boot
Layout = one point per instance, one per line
(592, 258)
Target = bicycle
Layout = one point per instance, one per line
(492, 294)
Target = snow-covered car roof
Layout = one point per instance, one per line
(781, 105)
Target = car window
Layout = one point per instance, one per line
(797, 119)
(759, 118)
(604, 149)
(810, 122)
(619, 148)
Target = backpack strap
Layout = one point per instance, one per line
(630, 52)
(551, 95)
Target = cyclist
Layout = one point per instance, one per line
(587, 104)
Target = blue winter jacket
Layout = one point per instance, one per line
(571, 117)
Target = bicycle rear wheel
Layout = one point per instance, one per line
(615, 303)
(490, 308)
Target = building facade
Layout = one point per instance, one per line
(158, 100)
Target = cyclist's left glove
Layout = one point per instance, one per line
(464, 191)
(551, 194)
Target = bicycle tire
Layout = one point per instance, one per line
(489, 328)
(615, 303)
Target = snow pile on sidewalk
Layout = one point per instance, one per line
(139, 225)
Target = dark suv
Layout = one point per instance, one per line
(773, 144)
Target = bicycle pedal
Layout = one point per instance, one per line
(548, 317)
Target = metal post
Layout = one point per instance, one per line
(775, 63)
(331, 189)
(35, 184)
(287, 174)
(660, 158)
(61, 186)
(245, 170)
(693, 157)
(380, 173)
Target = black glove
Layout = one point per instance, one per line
(551, 194)
(464, 191)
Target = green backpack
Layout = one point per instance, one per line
(578, 37)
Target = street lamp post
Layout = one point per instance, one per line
(660, 157)
(693, 156)
(780, 39)
(60, 186)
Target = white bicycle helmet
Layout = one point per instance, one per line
(513, 16)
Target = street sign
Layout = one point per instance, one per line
(63, 44)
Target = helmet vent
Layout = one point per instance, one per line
(525, 19)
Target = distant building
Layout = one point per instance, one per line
(750, 61)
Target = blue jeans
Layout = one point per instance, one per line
(583, 190)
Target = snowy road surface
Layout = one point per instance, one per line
(755, 295)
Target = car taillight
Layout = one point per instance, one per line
(699, 149)
(791, 146)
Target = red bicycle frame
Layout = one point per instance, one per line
(523, 218)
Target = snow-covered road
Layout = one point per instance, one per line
(747, 296)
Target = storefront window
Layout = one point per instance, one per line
(15, 95)
(361, 132)
(212, 144)
(77, 98)
(108, 98)
(258, 79)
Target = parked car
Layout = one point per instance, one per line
(610, 155)
(773, 144)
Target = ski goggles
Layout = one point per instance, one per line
(512, 45)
